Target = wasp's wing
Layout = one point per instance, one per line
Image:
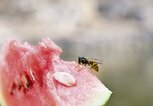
(96, 60)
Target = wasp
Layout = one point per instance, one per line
(90, 62)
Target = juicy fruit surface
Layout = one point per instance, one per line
(27, 79)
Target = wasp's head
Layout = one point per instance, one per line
(82, 60)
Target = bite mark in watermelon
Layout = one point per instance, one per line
(28, 77)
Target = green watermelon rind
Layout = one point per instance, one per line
(2, 103)
(107, 98)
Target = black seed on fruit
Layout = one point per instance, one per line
(11, 93)
(13, 87)
(19, 87)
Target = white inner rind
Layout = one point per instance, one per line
(99, 98)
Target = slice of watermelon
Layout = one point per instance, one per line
(36, 76)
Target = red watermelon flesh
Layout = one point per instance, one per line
(27, 78)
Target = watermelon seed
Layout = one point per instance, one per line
(31, 73)
(27, 83)
(24, 80)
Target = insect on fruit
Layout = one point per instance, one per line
(90, 62)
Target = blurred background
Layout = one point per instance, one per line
(119, 32)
